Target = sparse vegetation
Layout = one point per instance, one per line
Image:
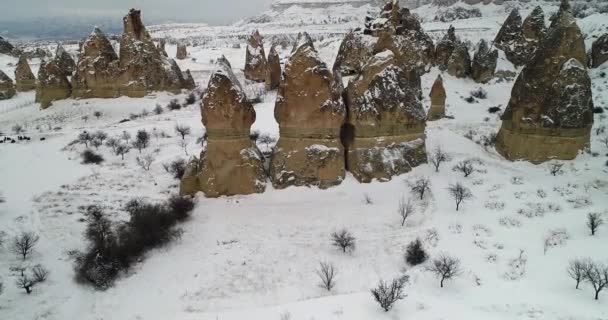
(387, 294)
(344, 240)
(24, 243)
(594, 221)
(405, 210)
(173, 105)
(460, 193)
(182, 130)
(420, 187)
(90, 157)
(445, 267)
(465, 166)
(437, 157)
(415, 253)
(327, 273)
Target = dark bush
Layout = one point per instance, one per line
(494, 109)
(470, 100)
(415, 253)
(89, 157)
(180, 206)
(598, 110)
(178, 168)
(174, 105)
(190, 99)
(479, 93)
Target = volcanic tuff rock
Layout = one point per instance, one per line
(550, 113)
(52, 84)
(355, 50)
(388, 121)
(310, 113)
(161, 47)
(64, 60)
(7, 88)
(445, 47)
(231, 163)
(459, 64)
(188, 80)
(520, 41)
(24, 78)
(273, 72)
(599, 51)
(533, 29)
(484, 62)
(437, 110)
(255, 59)
(182, 52)
(6, 47)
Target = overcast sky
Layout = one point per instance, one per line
(210, 11)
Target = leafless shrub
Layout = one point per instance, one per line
(538, 209)
(517, 180)
(121, 150)
(596, 274)
(495, 205)
(112, 143)
(145, 161)
(517, 267)
(24, 244)
(40, 273)
(509, 222)
(405, 210)
(465, 166)
(184, 145)
(326, 273)
(594, 221)
(420, 187)
(25, 283)
(431, 237)
(541, 193)
(576, 270)
(182, 130)
(367, 199)
(437, 157)
(267, 140)
(556, 168)
(445, 267)
(344, 240)
(555, 237)
(580, 202)
(460, 193)
(387, 294)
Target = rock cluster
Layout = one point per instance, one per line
(484, 62)
(182, 52)
(161, 47)
(231, 164)
(599, 51)
(7, 88)
(310, 112)
(438, 96)
(24, 78)
(520, 40)
(255, 59)
(356, 48)
(273, 72)
(550, 113)
(387, 119)
(452, 55)
(52, 84)
(140, 68)
(65, 61)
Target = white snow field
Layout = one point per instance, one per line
(255, 256)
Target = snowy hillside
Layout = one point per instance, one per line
(255, 257)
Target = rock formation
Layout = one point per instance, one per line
(484, 63)
(459, 64)
(520, 41)
(182, 52)
(356, 48)
(52, 84)
(273, 72)
(231, 163)
(140, 68)
(24, 78)
(7, 88)
(161, 47)
(445, 47)
(310, 113)
(64, 60)
(98, 70)
(188, 80)
(550, 113)
(255, 59)
(6, 47)
(599, 51)
(437, 110)
(533, 29)
(387, 120)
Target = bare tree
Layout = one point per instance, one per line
(437, 157)
(465, 166)
(126, 136)
(343, 240)
(594, 221)
(576, 270)
(25, 283)
(266, 139)
(597, 275)
(445, 268)
(405, 210)
(326, 273)
(121, 150)
(85, 137)
(24, 244)
(420, 187)
(40, 273)
(367, 199)
(182, 130)
(96, 143)
(184, 145)
(387, 294)
(112, 143)
(145, 162)
(555, 168)
(100, 135)
(460, 193)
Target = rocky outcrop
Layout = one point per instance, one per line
(520, 40)
(255, 59)
(459, 64)
(65, 61)
(188, 80)
(533, 29)
(484, 63)
(445, 47)
(438, 96)
(599, 51)
(98, 69)
(355, 50)
(550, 113)
(52, 84)
(310, 113)
(6, 47)
(231, 163)
(387, 120)
(182, 52)
(161, 47)
(24, 78)
(273, 72)
(7, 88)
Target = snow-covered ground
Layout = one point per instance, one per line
(254, 257)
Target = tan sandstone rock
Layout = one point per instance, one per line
(182, 52)
(484, 63)
(550, 113)
(356, 48)
(7, 88)
(310, 113)
(24, 78)
(438, 96)
(273, 72)
(388, 121)
(52, 84)
(445, 47)
(161, 47)
(599, 51)
(65, 61)
(255, 59)
(520, 40)
(231, 163)
(459, 64)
